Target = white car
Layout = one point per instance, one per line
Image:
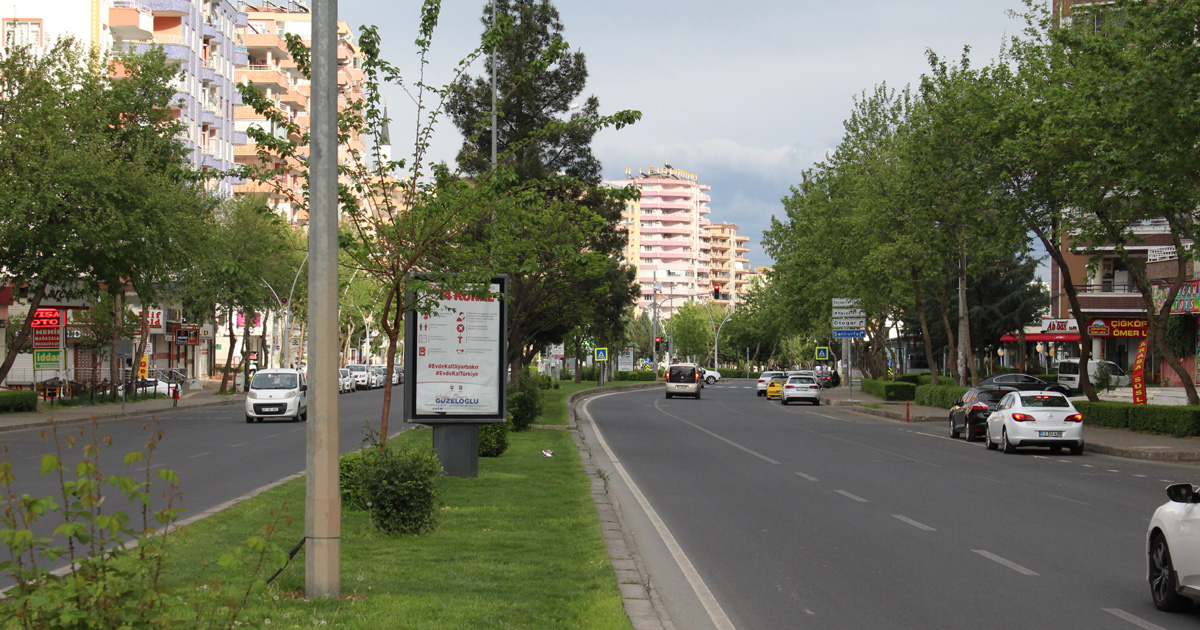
(1035, 419)
(1173, 550)
(764, 379)
(278, 393)
(710, 376)
(801, 388)
(346, 381)
(378, 375)
(397, 374)
(362, 375)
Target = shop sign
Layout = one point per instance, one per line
(47, 337)
(1139, 371)
(1186, 301)
(46, 359)
(152, 321)
(1059, 325)
(1117, 327)
(47, 318)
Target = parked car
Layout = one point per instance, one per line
(1023, 382)
(379, 373)
(362, 376)
(764, 379)
(969, 414)
(1068, 373)
(1173, 550)
(709, 376)
(828, 377)
(683, 379)
(775, 387)
(149, 386)
(346, 381)
(1035, 419)
(397, 375)
(801, 388)
(277, 393)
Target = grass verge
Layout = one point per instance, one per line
(517, 547)
(555, 410)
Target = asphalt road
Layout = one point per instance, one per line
(751, 514)
(216, 454)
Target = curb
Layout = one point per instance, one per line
(882, 413)
(115, 416)
(1129, 453)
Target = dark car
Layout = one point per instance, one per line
(1023, 382)
(828, 377)
(969, 414)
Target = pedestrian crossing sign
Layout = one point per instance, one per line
(822, 353)
(601, 354)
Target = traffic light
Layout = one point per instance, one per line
(657, 343)
(716, 291)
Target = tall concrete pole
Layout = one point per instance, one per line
(323, 507)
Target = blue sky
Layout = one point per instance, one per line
(745, 95)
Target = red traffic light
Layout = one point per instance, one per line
(657, 339)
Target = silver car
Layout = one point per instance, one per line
(683, 379)
(346, 381)
(801, 388)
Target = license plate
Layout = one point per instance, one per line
(272, 409)
(1049, 433)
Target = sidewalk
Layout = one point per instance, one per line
(1118, 442)
(75, 415)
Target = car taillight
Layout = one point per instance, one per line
(981, 406)
(814, 387)
(790, 387)
(1021, 417)
(1075, 418)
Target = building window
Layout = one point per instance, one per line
(22, 32)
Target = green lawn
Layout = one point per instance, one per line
(518, 547)
(555, 411)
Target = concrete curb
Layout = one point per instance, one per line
(883, 413)
(115, 416)
(1133, 453)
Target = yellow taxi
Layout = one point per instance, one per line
(775, 387)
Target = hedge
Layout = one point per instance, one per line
(914, 378)
(18, 400)
(888, 390)
(1163, 419)
(1105, 413)
(943, 396)
(638, 375)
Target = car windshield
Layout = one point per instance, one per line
(803, 380)
(358, 368)
(778, 379)
(274, 381)
(1044, 400)
(1068, 367)
(681, 374)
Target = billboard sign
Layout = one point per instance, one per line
(845, 302)
(47, 318)
(47, 337)
(456, 370)
(47, 359)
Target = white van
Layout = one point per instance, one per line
(279, 393)
(1068, 373)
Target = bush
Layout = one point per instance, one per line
(525, 403)
(1168, 420)
(404, 490)
(888, 390)
(353, 470)
(544, 381)
(1105, 413)
(636, 375)
(914, 378)
(493, 438)
(22, 400)
(943, 396)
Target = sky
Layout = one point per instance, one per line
(746, 95)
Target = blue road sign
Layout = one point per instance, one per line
(822, 353)
(853, 333)
(601, 354)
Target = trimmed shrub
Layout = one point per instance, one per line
(942, 396)
(493, 438)
(524, 403)
(914, 378)
(353, 470)
(18, 400)
(544, 381)
(1105, 413)
(888, 390)
(404, 490)
(636, 375)
(1168, 420)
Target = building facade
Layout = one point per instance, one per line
(729, 269)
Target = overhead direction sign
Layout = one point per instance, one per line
(858, 333)
(849, 322)
(848, 312)
(845, 302)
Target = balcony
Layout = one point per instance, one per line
(265, 42)
(170, 8)
(130, 20)
(263, 77)
(1107, 297)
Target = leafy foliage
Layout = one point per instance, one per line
(493, 438)
(403, 489)
(525, 402)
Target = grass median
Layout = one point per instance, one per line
(519, 546)
(555, 410)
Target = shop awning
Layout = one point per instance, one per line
(1044, 337)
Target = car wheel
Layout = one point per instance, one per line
(1056, 449)
(988, 443)
(304, 416)
(783, 400)
(668, 395)
(1162, 578)
(710, 380)
(953, 431)
(697, 395)
(817, 402)
(1077, 450)
(249, 420)
(1008, 446)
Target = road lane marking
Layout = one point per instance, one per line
(273, 435)
(1055, 496)
(239, 444)
(1166, 481)
(1113, 470)
(1088, 466)
(851, 496)
(715, 613)
(1140, 476)
(940, 437)
(825, 416)
(719, 437)
(808, 477)
(1137, 621)
(920, 526)
(200, 454)
(1008, 563)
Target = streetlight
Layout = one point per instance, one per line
(285, 307)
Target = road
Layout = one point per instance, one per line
(819, 517)
(217, 455)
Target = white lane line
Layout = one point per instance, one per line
(1137, 621)
(940, 437)
(1040, 457)
(1055, 496)
(1008, 563)
(157, 466)
(851, 496)
(1088, 466)
(1140, 476)
(719, 437)
(823, 415)
(715, 613)
(1065, 461)
(1113, 470)
(239, 444)
(200, 454)
(1166, 481)
(920, 526)
(273, 435)
(808, 477)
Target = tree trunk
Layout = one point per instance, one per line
(964, 324)
(22, 337)
(925, 336)
(229, 356)
(1022, 352)
(246, 352)
(579, 360)
(392, 329)
(1085, 340)
(950, 344)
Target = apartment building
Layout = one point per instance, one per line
(198, 35)
(669, 242)
(729, 268)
